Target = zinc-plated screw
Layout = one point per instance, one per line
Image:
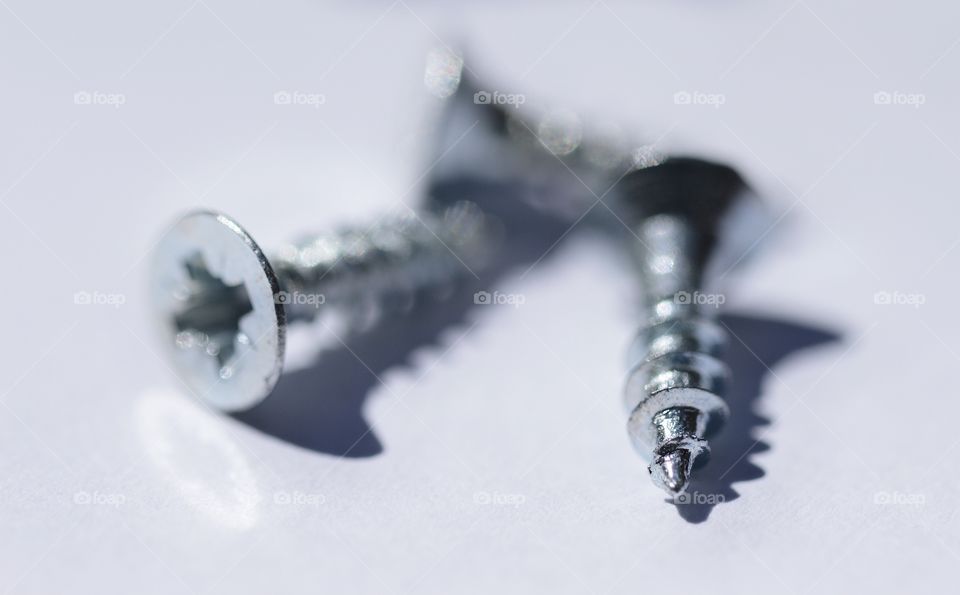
(692, 221)
(224, 306)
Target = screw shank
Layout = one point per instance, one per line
(356, 270)
(680, 215)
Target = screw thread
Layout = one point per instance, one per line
(676, 377)
(385, 266)
(679, 343)
(678, 348)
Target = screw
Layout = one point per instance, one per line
(680, 212)
(224, 307)
(692, 221)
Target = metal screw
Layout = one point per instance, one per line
(224, 307)
(692, 221)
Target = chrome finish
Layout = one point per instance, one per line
(223, 306)
(690, 220)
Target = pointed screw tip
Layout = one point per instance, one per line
(671, 472)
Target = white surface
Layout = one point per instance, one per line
(112, 481)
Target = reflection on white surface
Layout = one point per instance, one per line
(198, 457)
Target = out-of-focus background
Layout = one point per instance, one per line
(495, 456)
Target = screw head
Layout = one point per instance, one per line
(214, 295)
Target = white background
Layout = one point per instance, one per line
(497, 457)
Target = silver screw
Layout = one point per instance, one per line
(224, 307)
(689, 218)
(692, 221)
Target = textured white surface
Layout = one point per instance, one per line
(502, 459)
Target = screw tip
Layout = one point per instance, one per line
(671, 472)
(673, 464)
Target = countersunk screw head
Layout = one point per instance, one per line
(214, 296)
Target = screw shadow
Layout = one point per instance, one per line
(772, 340)
(320, 407)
